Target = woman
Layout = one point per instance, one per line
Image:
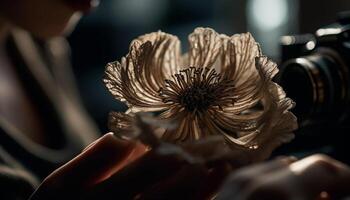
(42, 123)
(43, 126)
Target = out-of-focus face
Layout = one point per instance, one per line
(44, 18)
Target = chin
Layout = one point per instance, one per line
(42, 18)
(60, 28)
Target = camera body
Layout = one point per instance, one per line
(315, 73)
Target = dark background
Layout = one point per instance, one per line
(104, 35)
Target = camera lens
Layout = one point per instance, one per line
(298, 81)
(317, 83)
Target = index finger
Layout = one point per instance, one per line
(93, 165)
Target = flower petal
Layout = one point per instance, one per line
(280, 124)
(266, 67)
(251, 93)
(238, 64)
(238, 54)
(123, 87)
(205, 46)
(137, 79)
(161, 58)
(262, 130)
(121, 124)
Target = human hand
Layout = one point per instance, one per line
(95, 163)
(111, 168)
(314, 177)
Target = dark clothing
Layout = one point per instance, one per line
(44, 69)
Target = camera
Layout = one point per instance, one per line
(315, 73)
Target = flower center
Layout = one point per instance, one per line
(198, 97)
(198, 89)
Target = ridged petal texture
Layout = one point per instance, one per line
(221, 86)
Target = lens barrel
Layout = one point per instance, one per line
(317, 83)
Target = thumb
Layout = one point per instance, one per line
(98, 161)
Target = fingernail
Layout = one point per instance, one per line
(96, 141)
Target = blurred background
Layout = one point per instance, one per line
(104, 35)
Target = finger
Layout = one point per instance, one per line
(151, 168)
(320, 173)
(91, 166)
(244, 177)
(304, 179)
(97, 162)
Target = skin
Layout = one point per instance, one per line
(42, 18)
(111, 167)
(314, 177)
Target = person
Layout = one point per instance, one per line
(49, 147)
(42, 122)
(43, 125)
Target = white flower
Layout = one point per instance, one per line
(221, 86)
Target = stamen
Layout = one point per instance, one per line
(198, 89)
